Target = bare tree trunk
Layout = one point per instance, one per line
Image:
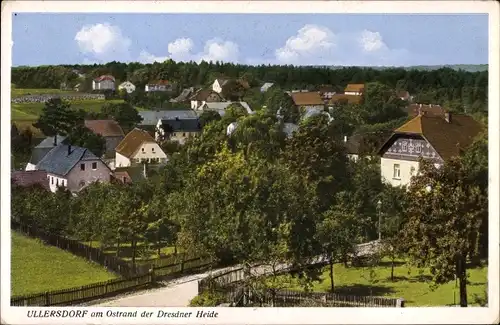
(462, 281)
(392, 268)
(332, 284)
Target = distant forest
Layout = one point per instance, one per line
(459, 90)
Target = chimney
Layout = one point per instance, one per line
(69, 149)
(345, 138)
(447, 117)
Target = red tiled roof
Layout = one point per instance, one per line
(132, 142)
(104, 77)
(355, 87)
(30, 178)
(105, 128)
(307, 98)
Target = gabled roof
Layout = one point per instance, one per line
(44, 147)
(355, 87)
(133, 141)
(203, 94)
(182, 125)
(105, 128)
(183, 95)
(307, 98)
(126, 83)
(351, 99)
(152, 117)
(30, 178)
(104, 77)
(447, 138)
(61, 159)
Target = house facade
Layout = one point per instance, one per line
(177, 129)
(433, 138)
(160, 85)
(73, 168)
(354, 89)
(138, 147)
(222, 106)
(150, 118)
(205, 96)
(105, 82)
(110, 130)
(127, 86)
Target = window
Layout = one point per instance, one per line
(82, 166)
(173, 134)
(397, 172)
(94, 166)
(153, 149)
(184, 134)
(124, 179)
(418, 148)
(51, 180)
(143, 150)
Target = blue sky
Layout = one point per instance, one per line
(303, 39)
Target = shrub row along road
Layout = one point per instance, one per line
(179, 292)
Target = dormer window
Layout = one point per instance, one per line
(143, 151)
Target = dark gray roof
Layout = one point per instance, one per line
(43, 148)
(152, 117)
(59, 162)
(183, 125)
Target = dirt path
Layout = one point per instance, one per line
(176, 293)
(179, 292)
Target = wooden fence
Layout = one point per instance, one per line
(113, 264)
(72, 296)
(228, 284)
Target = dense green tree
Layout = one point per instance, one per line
(84, 137)
(57, 117)
(124, 113)
(444, 220)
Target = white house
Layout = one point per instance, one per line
(431, 137)
(127, 86)
(204, 96)
(177, 129)
(138, 147)
(354, 89)
(105, 82)
(160, 85)
(265, 87)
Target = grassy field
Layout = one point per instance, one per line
(15, 92)
(142, 252)
(36, 267)
(409, 284)
(31, 111)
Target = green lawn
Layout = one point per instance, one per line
(18, 92)
(31, 111)
(36, 268)
(409, 284)
(142, 253)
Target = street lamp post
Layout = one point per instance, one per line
(379, 205)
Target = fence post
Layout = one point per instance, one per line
(400, 302)
(47, 298)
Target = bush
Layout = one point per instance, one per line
(207, 299)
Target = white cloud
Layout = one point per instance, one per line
(104, 41)
(146, 57)
(311, 43)
(219, 50)
(181, 49)
(371, 41)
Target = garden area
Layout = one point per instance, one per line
(411, 284)
(36, 268)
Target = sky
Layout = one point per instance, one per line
(298, 39)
